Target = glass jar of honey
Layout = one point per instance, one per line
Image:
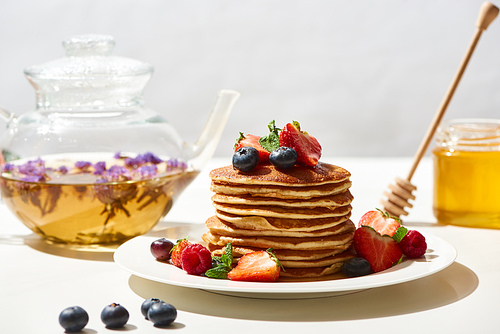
(467, 173)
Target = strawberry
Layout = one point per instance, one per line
(258, 266)
(252, 141)
(307, 147)
(381, 251)
(380, 222)
(176, 252)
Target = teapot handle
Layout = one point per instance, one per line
(201, 151)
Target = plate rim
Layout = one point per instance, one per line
(413, 268)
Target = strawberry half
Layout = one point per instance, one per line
(252, 141)
(307, 147)
(381, 251)
(380, 222)
(259, 266)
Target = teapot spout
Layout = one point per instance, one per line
(202, 150)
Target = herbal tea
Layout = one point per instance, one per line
(92, 202)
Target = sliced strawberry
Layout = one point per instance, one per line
(176, 252)
(307, 147)
(380, 222)
(258, 266)
(381, 251)
(252, 141)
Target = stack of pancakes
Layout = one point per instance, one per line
(302, 213)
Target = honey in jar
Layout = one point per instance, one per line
(467, 173)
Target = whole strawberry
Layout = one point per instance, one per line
(381, 251)
(258, 266)
(176, 252)
(413, 244)
(307, 147)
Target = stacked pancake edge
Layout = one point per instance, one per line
(302, 214)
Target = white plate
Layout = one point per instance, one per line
(135, 257)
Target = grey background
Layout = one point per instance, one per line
(364, 77)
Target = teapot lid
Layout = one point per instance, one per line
(88, 55)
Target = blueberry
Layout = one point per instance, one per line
(114, 316)
(147, 304)
(73, 319)
(283, 157)
(162, 314)
(356, 267)
(161, 249)
(245, 158)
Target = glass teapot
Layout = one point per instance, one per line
(92, 164)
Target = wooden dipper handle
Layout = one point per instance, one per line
(487, 14)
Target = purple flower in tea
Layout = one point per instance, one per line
(117, 173)
(34, 178)
(118, 155)
(99, 167)
(63, 170)
(8, 167)
(132, 162)
(83, 164)
(147, 171)
(150, 158)
(32, 168)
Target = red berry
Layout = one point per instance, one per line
(196, 259)
(258, 266)
(252, 141)
(380, 222)
(176, 253)
(381, 251)
(307, 147)
(413, 244)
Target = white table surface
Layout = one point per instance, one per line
(38, 280)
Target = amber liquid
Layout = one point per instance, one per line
(467, 188)
(89, 213)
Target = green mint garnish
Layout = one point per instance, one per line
(271, 141)
(223, 264)
(400, 233)
(219, 271)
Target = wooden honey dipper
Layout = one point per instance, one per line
(401, 192)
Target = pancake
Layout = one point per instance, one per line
(324, 262)
(267, 174)
(341, 199)
(282, 212)
(312, 272)
(290, 224)
(281, 191)
(303, 243)
(282, 254)
(219, 227)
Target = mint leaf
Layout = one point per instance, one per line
(272, 140)
(400, 233)
(223, 264)
(227, 257)
(219, 271)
